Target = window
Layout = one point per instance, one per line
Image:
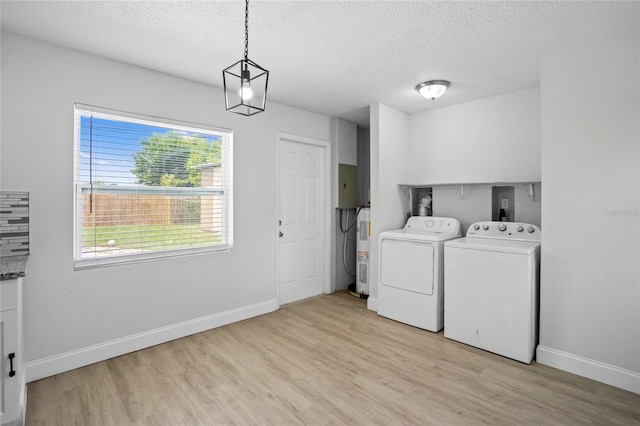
(148, 188)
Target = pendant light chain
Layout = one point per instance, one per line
(246, 30)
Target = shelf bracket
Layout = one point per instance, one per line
(461, 193)
(530, 193)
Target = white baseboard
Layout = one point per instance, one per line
(372, 304)
(605, 373)
(52, 365)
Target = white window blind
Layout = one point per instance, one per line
(148, 188)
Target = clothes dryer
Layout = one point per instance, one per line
(410, 271)
(491, 288)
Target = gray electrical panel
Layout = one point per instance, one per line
(347, 186)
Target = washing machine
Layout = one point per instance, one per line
(491, 288)
(410, 271)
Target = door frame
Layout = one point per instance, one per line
(325, 209)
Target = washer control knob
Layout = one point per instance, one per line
(476, 226)
(485, 226)
(429, 223)
(519, 228)
(502, 227)
(530, 230)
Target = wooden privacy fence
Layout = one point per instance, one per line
(125, 210)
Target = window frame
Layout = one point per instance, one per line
(226, 189)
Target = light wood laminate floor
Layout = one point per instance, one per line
(327, 360)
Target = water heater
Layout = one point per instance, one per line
(363, 236)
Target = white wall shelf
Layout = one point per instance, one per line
(496, 183)
(527, 185)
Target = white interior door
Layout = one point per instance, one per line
(301, 209)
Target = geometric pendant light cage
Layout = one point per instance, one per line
(245, 82)
(245, 87)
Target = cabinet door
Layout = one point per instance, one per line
(9, 384)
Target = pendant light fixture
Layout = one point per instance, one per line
(245, 82)
(433, 89)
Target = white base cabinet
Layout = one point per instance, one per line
(12, 379)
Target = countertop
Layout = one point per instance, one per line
(12, 267)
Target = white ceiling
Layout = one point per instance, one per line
(335, 57)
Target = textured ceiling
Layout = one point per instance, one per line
(335, 57)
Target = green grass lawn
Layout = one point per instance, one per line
(149, 237)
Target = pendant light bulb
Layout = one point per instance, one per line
(245, 88)
(246, 93)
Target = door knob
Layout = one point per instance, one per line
(281, 234)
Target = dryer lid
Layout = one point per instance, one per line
(402, 234)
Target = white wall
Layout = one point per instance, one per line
(67, 310)
(590, 296)
(364, 163)
(494, 139)
(346, 137)
(489, 140)
(389, 156)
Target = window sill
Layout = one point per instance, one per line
(99, 262)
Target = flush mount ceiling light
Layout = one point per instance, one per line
(245, 82)
(433, 89)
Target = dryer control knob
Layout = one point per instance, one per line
(502, 227)
(429, 223)
(476, 226)
(519, 228)
(530, 230)
(485, 226)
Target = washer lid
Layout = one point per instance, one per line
(487, 244)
